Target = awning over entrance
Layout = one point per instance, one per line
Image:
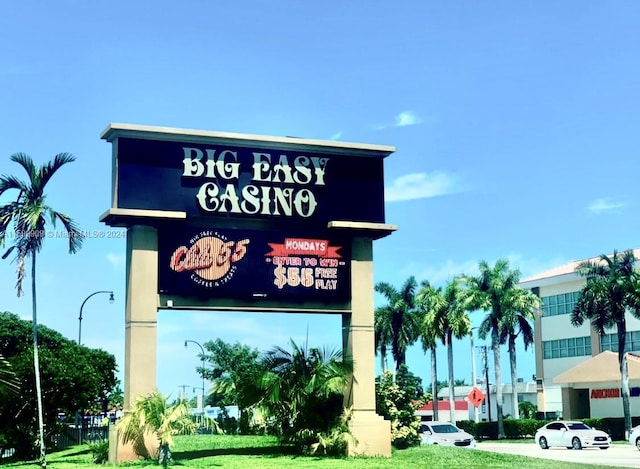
(602, 367)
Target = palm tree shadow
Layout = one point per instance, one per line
(248, 451)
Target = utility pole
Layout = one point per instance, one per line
(474, 375)
(485, 364)
(184, 390)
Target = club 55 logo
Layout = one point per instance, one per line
(209, 258)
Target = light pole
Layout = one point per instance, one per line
(474, 381)
(202, 358)
(485, 363)
(111, 300)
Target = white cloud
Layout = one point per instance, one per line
(446, 271)
(605, 204)
(336, 136)
(407, 118)
(116, 260)
(422, 185)
(404, 119)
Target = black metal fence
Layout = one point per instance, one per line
(64, 437)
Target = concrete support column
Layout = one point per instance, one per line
(371, 431)
(141, 315)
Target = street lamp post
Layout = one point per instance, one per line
(111, 299)
(202, 358)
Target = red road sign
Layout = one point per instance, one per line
(476, 396)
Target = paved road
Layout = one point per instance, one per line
(618, 455)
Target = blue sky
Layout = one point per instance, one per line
(516, 126)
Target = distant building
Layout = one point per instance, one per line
(567, 357)
(527, 391)
(444, 415)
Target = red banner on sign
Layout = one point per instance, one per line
(302, 247)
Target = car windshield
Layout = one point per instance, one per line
(445, 428)
(578, 426)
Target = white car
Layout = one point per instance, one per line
(571, 435)
(446, 434)
(634, 436)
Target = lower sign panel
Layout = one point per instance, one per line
(207, 262)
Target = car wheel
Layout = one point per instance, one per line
(543, 443)
(638, 443)
(575, 443)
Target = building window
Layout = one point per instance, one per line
(555, 305)
(610, 342)
(565, 348)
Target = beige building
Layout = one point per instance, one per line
(566, 387)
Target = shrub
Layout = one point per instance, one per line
(396, 405)
(99, 452)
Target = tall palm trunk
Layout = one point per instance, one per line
(514, 376)
(452, 399)
(434, 383)
(495, 344)
(624, 376)
(36, 360)
(383, 358)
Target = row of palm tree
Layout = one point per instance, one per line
(433, 315)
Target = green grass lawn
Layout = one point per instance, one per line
(261, 452)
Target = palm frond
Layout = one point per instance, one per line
(47, 170)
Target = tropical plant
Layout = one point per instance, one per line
(490, 291)
(234, 371)
(430, 301)
(303, 391)
(527, 409)
(517, 321)
(398, 317)
(8, 380)
(397, 404)
(153, 414)
(337, 440)
(99, 452)
(611, 289)
(29, 215)
(86, 384)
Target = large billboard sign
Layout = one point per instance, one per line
(218, 263)
(227, 180)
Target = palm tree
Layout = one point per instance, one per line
(517, 321)
(456, 324)
(303, 389)
(489, 291)
(29, 215)
(400, 316)
(430, 301)
(610, 290)
(153, 414)
(382, 337)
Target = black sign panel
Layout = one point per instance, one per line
(213, 263)
(241, 182)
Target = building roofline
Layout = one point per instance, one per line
(562, 273)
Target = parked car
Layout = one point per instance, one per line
(446, 434)
(634, 436)
(571, 435)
